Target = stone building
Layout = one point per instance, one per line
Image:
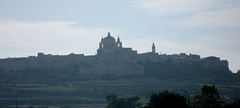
(111, 58)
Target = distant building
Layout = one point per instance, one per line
(111, 57)
(109, 47)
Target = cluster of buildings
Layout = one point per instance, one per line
(111, 57)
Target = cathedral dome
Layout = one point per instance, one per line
(109, 38)
(108, 41)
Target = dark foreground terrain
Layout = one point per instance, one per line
(65, 86)
(84, 93)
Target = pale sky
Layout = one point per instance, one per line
(61, 27)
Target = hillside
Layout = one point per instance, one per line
(78, 79)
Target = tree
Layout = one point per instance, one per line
(115, 102)
(208, 99)
(167, 100)
(112, 98)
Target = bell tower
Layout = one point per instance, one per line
(119, 43)
(153, 48)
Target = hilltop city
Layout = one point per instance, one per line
(77, 79)
(111, 57)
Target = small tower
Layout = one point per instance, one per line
(119, 43)
(153, 48)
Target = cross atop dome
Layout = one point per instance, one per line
(108, 34)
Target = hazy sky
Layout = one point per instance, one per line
(60, 27)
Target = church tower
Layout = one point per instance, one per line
(153, 48)
(119, 43)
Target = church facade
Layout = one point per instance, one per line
(113, 58)
(110, 47)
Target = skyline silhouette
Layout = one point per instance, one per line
(63, 27)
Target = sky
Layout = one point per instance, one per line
(61, 27)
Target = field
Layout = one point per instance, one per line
(93, 93)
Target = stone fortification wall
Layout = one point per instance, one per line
(124, 63)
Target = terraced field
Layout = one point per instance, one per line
(87, 93)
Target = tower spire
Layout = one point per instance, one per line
(118, 40)
(153, 48)
(119, 43)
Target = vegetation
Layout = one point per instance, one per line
(208, 99)
(166, 100)
(115, 102)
